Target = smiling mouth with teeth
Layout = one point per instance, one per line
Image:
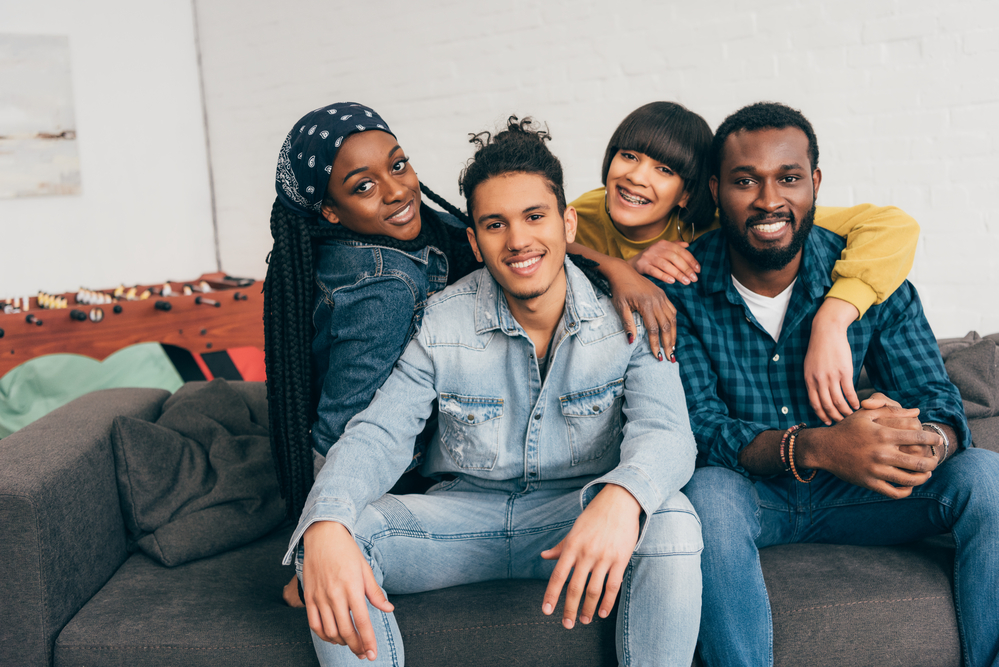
(526, 263)
(403, 211)
(632, 199)
(770, 226)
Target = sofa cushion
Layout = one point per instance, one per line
(985, 433)
(225, 610)
(844, 606)
(975, 371)
(200, 480)
(228, 610)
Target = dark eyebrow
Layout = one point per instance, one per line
(500, 216)
(352, 173)
(360, 169)
(752, 170)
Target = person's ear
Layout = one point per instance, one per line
(684, 199)
(328, 213)
(472, 242)
(713, 186)
(816, 181)
(571, 223)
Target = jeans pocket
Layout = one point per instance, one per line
(470, 430)
(594, 420)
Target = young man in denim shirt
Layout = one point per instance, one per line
(567, 444)
(763, 479)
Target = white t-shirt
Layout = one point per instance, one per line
(768, 311)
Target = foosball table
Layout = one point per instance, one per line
(212, 313)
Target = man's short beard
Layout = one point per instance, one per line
(767, 259)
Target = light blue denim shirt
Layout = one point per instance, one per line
(607, 411)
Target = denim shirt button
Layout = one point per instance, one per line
(537, 415)
(471, 418)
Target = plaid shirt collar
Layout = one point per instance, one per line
(713, 254)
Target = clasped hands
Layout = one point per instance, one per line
(881, 446)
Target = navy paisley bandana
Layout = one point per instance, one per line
(306, 158)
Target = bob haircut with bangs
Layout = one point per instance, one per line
(677, 137)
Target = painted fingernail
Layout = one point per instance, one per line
(660, 355)
(547, 608)
(567, 622)
(631, 338)
(672, 358)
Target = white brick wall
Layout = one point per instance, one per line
(144, 214)
(904, 95)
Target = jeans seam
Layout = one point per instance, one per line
(961, 634)
(390, 639)
(624, 612)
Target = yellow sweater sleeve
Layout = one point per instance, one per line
(880, 247)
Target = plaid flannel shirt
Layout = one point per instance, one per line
(739, 382)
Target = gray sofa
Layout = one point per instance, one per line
(72, 594)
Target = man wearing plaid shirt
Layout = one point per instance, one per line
(742, 335)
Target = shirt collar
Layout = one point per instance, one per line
(492, 311)
(714, 256)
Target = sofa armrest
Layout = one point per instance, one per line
(63, 533)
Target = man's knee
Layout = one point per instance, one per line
(672, 530)
(725, 501)
(974, 474)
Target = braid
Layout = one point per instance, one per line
(288, 332)
(445, 204)
(287, 296)
(589, 269)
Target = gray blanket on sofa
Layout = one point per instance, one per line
(200, 480)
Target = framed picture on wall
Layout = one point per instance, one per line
(38, 154)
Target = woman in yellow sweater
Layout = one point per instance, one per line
(656, 200)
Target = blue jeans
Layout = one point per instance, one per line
(459, 533)
(740, 517)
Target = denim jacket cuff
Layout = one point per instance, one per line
(323, 510)
(637, 483)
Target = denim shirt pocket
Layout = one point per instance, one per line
(594, 420)
(470, 430)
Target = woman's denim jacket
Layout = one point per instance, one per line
(368, 302)
(607, 411)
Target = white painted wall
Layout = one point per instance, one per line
(904, 95)
(144, 214)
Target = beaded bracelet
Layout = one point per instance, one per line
(943, 435)
(783, 441)
(790, 458)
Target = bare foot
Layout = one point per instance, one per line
(290, 594)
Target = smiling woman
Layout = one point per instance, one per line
(356, 255)
(372, 189)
